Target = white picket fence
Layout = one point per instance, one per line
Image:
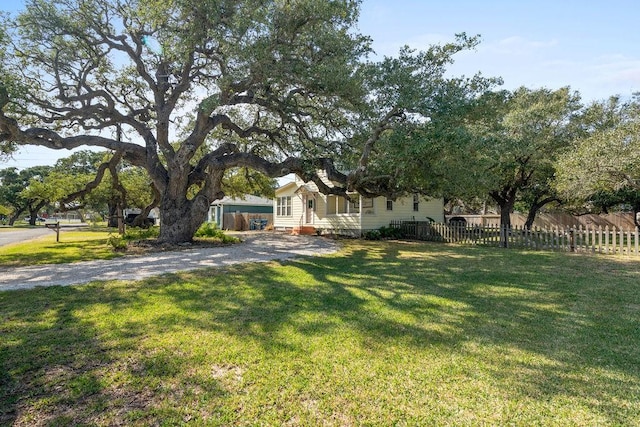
(579, 239)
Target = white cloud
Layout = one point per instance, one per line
(552, 64)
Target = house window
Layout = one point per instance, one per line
(331, 204)
(340, 205)
(367, 203)
(416, 203)
(389, 204)
(283, 206)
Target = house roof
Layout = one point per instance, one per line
(246, 200)
(287, 186)
(307, 188)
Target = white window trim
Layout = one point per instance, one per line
(343, 214)
(284, 204)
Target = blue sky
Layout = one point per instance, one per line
(592, 46)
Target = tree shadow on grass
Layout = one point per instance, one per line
(575, 314)
(556, 326)
(59, 368)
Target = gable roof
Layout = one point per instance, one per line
(287, 186)
(246, 200)
(307, 188)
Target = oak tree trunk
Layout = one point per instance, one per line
(33, 215)
(535, 208)
(180, 218)
(505, 221)
(505, 199)
(113, 214)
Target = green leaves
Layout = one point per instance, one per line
(605, 157)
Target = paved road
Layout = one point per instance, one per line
(22, 234)
(260, 247)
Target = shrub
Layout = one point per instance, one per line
(136, 233)
(118, 243)
(228, 239)
(211, 230)
(391, 233)
(372, 235)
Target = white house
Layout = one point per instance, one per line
(301, 208)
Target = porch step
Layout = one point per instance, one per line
(304, 230)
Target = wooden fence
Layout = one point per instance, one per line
(607, 240)
(244, 221)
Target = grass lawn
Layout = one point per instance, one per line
(74, 246)
(378, 334)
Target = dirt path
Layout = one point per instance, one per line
(255, 248)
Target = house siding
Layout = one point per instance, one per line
(402, 210)
(369, 219)
(288, 222)
(220, 208)
(248, 209)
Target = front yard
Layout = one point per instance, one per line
(378, 334)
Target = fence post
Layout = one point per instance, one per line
(503, 236)
(572, 241)
(600, 239)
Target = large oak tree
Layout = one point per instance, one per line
(278, 86)
(601, 168)
(516, 137)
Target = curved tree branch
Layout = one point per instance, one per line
(89, 187)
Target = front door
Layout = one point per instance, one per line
(309, 210)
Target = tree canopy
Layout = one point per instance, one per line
(279, 87)
(21, 191)
(605, 158)
(515, 138)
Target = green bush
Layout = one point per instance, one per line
(383, 233)
(391, 233)
(118, 243)
(211, 230)
(229, 239)
(372, 235)
(136, 233)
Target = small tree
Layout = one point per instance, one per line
(22, 191)
(100, 181)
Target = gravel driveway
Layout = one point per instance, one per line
(260, 247)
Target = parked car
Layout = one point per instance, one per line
(148, 222)
(38, 219)
(457, 220)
